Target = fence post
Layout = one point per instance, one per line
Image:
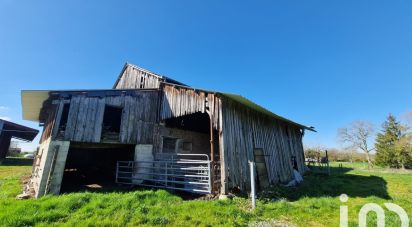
(252, 184)
(327, 160)
(209, 172)
(166, 176)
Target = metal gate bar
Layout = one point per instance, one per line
(185, 172)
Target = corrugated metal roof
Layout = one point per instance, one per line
(254, 106)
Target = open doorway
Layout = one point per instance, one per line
(191, 134)
(92, 167)
(111, 124)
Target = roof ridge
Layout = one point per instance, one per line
(145, 70)
(159, 76)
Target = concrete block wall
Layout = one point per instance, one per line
(49, 168)
(59, 166)
(200, 141)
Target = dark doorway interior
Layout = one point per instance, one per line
(197, 122)
(111, 124)
(92, 167)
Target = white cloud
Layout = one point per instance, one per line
(4, 108)
(5, 118)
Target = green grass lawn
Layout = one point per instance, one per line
(314, 203)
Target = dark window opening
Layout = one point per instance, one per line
(111, 123)
(169, 145)
(63, 120)
(141, 82)
(197, 122)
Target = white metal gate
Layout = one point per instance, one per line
(185, 172)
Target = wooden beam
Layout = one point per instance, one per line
(212, 149)
(212, 154)
(56, 125)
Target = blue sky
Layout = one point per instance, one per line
(320, 63)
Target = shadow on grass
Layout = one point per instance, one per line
(17, 162)
(119, 188)
(320, 184)
(79, 184)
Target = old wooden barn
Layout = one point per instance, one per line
(152, 131)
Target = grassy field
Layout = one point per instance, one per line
(314, 203)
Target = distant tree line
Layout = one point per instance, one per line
(335, 155)
(392, 146)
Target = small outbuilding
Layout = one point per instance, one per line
(152, 131)
(9, 130)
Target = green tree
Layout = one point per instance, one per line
(392, 145)
(403, 151)
(404, 145)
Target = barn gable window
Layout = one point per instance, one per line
(111, 123)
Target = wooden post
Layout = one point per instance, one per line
(222, 157)
(212, 155)
(327, 161)
(212, 149)
(57, 119)
(252, 184)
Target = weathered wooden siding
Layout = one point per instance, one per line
(245, 129)
(49, 122)
(241, 130)
(133, 78)
(139, 115)
(179, 101)
(85, 119)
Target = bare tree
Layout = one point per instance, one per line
(357, 136)
(407, 119)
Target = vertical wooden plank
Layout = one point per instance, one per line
(72, 118)
(58, 118)
(99, 120)
(81, 123)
